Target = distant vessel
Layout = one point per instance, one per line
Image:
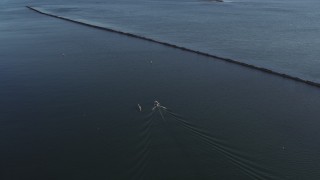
(157, 105)
(140, 108)
(216, 0)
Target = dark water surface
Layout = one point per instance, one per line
(69, 98)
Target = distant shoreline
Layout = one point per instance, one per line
(315, 84)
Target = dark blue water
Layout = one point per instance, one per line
(68, 110)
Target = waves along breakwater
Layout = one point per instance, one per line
(315, 84)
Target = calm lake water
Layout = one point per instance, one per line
(69, 98)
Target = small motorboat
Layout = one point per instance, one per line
(157, 105)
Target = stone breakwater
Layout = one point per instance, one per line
(315, 84)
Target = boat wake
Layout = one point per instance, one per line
(205, 143)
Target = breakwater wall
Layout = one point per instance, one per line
(283, 75)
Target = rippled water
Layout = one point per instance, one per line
(278, 35)
(69, 96)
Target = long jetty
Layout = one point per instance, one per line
(283, 75)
